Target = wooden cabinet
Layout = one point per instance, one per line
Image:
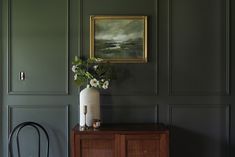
(130, 140)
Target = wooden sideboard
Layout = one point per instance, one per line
(121, 140)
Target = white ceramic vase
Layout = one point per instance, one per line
(90, 98)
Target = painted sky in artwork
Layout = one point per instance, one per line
(118, 29)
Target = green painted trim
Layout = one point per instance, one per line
(156, 74)
(67, 69)
(80, 27)
(225, 92)
(227, 108)
(228, 43)
(1, 75)
(4, 47)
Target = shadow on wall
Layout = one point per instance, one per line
(186, 143)
(119, 76)
(232, 150)
(128, 114)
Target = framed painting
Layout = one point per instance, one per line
(119, 39)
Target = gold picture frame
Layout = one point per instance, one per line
(119, 39)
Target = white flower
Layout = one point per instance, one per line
(98, 59)
(75, 77)
(105, 85)
(76, 58)
(94, 82)
(74, 68)
(95, 67)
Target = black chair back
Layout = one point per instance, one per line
(16, 131)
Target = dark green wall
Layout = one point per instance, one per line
(36, 41)
(38, 46)
(188, 82)
(1, 76)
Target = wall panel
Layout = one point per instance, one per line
(199, 130)
(199, 47)
(38, 46)
(55, 120)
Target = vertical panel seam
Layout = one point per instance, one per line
(228, 20)
(156, 75)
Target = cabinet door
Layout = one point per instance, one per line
(145, 145)
(95, 146)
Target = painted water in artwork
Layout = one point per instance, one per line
(119, 38)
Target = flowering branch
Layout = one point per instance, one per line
(92, 72)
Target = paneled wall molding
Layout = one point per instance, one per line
(10, 115)
(171, 107)
(80, 28)
(226, 52)
(83, 44)
(202, 124)
(1, 74)
(156, 76)
(10, 89)
(226, 107)
(124, 112)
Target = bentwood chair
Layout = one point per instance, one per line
(16, 132)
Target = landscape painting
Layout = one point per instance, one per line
(119, 39)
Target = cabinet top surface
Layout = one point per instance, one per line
(123, 128)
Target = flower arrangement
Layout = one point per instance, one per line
(91, 72)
